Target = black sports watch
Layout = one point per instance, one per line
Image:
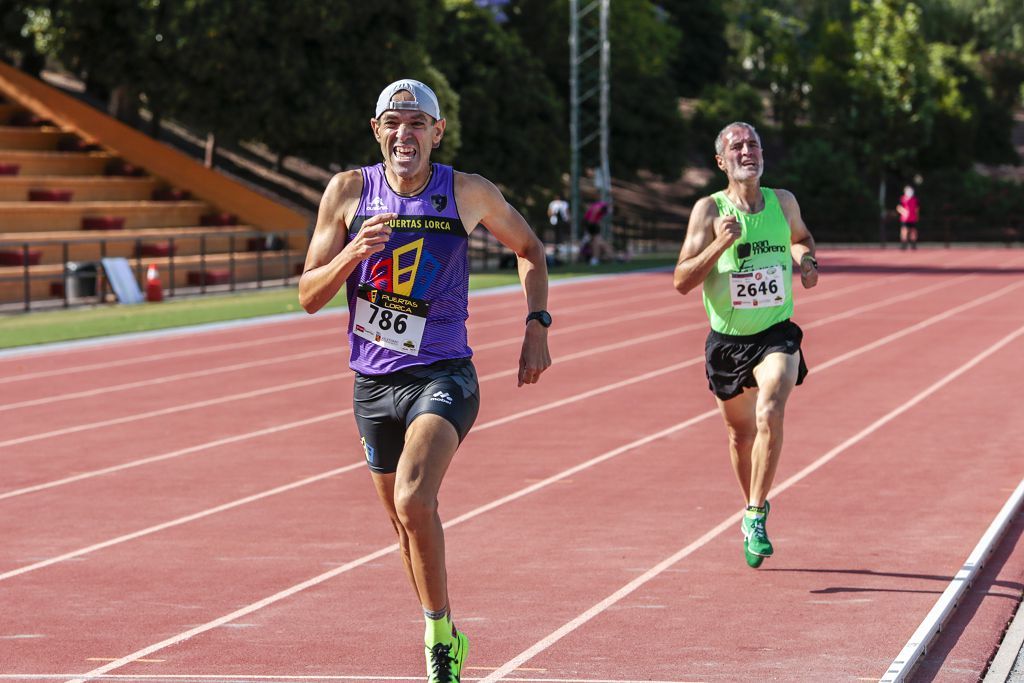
(542, 316)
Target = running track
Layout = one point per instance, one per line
(193, 506)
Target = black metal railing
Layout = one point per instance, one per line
(272, 255)
(283, 249)
(632, 234)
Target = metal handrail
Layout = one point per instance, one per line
(27, 276)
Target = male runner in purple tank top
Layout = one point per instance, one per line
(397, 235)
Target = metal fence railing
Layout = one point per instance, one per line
(265, 256)
(632, 234)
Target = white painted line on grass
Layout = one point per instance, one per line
(732, 520)
(944, 607)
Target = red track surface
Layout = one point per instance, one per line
(194, 505)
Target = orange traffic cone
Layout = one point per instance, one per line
(154, 290)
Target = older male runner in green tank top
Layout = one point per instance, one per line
(741, 244)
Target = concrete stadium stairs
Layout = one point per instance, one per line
(77, 185)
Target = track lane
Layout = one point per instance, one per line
(37, 511)
(732, 484)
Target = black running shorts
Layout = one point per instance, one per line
(730, 359)
(385, 405)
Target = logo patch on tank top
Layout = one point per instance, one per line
(439, 201)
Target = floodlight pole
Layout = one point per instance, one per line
(589, 62)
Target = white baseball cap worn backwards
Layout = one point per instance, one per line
(424, 99)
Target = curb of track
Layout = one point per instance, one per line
(907, 660)
(1011, 651)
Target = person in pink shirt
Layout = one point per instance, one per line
(909, 210)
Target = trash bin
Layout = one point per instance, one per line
(80, 278)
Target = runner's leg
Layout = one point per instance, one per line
(385, 485)
(430, 444)
(739, 413)
(776, 376)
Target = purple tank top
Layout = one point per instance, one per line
(408, 304)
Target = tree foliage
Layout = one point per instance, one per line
(505, 99)
(882, 88)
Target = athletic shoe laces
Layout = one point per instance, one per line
(441, 663)
(757, 527)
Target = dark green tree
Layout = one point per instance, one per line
(511, 118)
(121, 50)
(20, 22)
(303, 77)
(702, 53)
(647, 128)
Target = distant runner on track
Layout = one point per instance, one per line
(396, 234)
(741, 244)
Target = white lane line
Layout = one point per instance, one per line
(947, 603)
(611, 320)
(106, 365)
(230, 678)
(890, 300)
(315, 478)
(466, 517)
(136, 339)
(133, 339)
(164, 379)
(316, 580)
(303, 423)
(174, 409)
(730, 522)
(339, 350)
(503, 373)
(919, 326)
(178, 522)
(174, 454)
(202, 404)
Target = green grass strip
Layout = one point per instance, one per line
(43, 327)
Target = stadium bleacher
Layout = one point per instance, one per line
(77, 186)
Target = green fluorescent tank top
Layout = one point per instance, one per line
(764, 243)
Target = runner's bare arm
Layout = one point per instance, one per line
(330, 260)
(708, 235)
(803, 243)
(480, 202)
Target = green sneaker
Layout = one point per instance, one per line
(756, 545)
(445, 660)
(753, 561)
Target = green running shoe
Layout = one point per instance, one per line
(756, 545)
(753, 561)
(445, 660)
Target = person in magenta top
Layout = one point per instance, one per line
(909, 211)
(396, 235)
